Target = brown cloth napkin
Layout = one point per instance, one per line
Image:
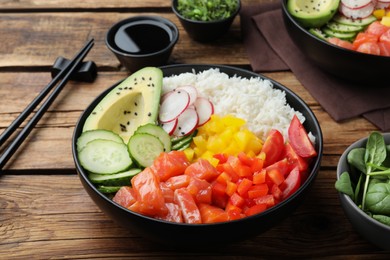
(270, 48)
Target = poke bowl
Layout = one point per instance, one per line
(335, 52)
(225, 208)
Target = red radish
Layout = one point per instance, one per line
(205, 109)
(382, 4)
(355, 3)
(170, 126)
(357, 13)
(191, 90)
(173, 105)
(187, 122)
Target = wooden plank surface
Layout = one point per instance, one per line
(45, 212)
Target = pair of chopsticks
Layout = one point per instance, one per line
(65, 74)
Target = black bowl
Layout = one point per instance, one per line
(205, 234)
(142, 41)
(205, 31)
(374, 231)
(343, 63)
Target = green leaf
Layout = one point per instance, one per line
(382, 218)
(355, 158)
(378, 198)
(344, 185)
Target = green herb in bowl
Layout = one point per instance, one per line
(207, 10)
(367, 182)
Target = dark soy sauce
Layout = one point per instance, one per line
(143, 37)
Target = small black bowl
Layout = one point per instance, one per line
(343, 63)
(181, 235)
(142, 41)
(205, 31)
(374, 231)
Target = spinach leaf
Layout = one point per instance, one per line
(344, 185)
(355, 158)
(375, 155)
(383, 219)
(378, 198)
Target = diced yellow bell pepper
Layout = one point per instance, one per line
(386, 20)
(379, 13)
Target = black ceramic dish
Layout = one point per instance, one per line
(205, 31)
(346, 64)
(142, 41)
(205, 234)
(374, 231)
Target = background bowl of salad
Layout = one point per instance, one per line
(205, 21)
(372, 221)
(279, 203)
(340, 45)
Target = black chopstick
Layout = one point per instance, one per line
(67, 71)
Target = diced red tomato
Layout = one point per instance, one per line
(243, 187)
(188, 207)
(174, 213)
(369, 48)
(258, 190)
(177, 182)
(222, 158)
(268, 200)
(275, 176)
(259, 177)
(255, 209)
(341, 43)
(237, 200)
(170, 164)
(377, 28)
(294, 159)
(212, 214)
(292, 183)
(299, 139)
(125, 196)
(147, 190)
(202, 169)
(231, 187)
(219, 196)
(273, 147)
(282, 166)
(239, 168)
(234, 212)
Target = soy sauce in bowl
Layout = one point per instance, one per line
(142, 41)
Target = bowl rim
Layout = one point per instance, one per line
(157, 20)
(358, 143)
(306, 32)
(201, 67)
(178, 14)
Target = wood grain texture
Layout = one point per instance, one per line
(44, 211)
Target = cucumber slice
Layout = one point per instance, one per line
(117, 179)
(105, 157)
(182, 143)
(158, 132)
(318, 33)
(144, 148)
(356, 22)
(90, 135)
(340, 35)
(339, 27)
(108, 189)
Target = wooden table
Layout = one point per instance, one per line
(44, 210)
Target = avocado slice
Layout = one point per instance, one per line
(313, 13)
(134, 102)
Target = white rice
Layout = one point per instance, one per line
(254, 100)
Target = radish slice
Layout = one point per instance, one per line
(187, 122)
(191, 90)
(355, 3)
(170, 126)
(173, 105)
(358, 13)
(382, 4)
(205, 109)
